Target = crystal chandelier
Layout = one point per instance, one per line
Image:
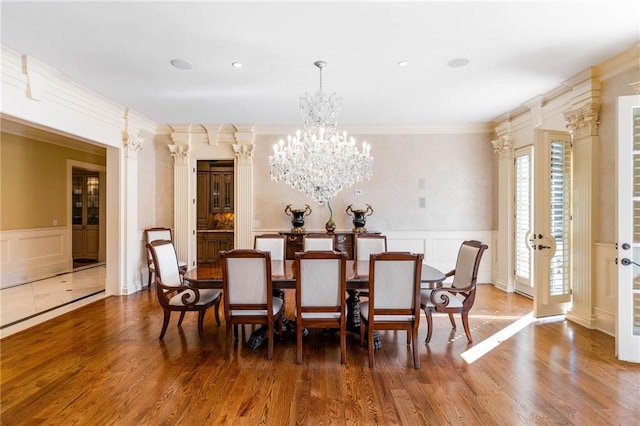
(319, 160)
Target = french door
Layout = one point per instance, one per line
(523, 208)
(628, 318)
(550, 240)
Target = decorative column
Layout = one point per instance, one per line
(582, 122)
(503, 146)
(130, 249)
(243, 187)
(182, 201)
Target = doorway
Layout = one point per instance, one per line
(85, 217)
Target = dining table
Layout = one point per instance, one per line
(283, 277)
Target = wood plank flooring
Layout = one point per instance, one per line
(104, 365)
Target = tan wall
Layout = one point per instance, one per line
(611, 89)
(457, 170)
(33, 182)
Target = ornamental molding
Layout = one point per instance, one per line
(131, 143)
(244, 153)
(212, 134)
(503, 146)
(180, 153)
(583, 121)
(636, 87)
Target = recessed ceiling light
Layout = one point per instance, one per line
(458, 62)
(236, 64)
(181, 64)
(403, 63)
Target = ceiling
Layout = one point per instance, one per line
(516, 51)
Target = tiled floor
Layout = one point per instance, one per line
(28, 304)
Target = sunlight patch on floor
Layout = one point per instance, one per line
(494, 341)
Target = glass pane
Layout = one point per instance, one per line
(523, 216)
(215, 191)
(228, 190)
(560, 192)
(93, 200)
(636, 221)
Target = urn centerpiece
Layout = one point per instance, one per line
(297, 217)
(359, 217)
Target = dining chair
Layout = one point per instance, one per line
(153, 234)
(460, 295)
(248, 294)
(365, 245)
(368, 244)
(273, 243)
(394, 299)
(173, 294)
(320, 286)
(318, 242)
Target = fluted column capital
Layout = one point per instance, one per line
(180, 153)
(583, 121)
(244, 153)
(503, 146)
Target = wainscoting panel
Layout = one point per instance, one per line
(32, 254)
(606, 288)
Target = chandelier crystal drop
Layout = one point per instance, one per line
(320, 161)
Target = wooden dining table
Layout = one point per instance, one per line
(283, 277)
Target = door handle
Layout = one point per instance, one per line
(540, 247)
(627, 262)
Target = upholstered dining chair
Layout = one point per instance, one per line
(394, 299)
(368, 244)
(460, 295)
(173, 294)
(318, 242)
(153, 234)
(320, 287)
(273, 243)
(248, 294)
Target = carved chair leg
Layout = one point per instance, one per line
(217, 312)
(370, 347)
(416, 352)
(201, 324)
(227, 343)
(453, 321)
(181, 318)
(343, 341)
(427, 313)
(299, 341)
(465, 324)
(270, 334)
(165, 323)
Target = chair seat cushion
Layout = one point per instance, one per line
(364, 313)
(277, 307)
(206, 296)
(455, 300)
(181, 264)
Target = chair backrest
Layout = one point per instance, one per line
(394, 283)
(246, 279)
(368, 244)
(320, 279)
(468, 263)
(273, 243)
(157, 233)
(167, 270)
(318, 242)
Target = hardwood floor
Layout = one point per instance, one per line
(104, 364)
